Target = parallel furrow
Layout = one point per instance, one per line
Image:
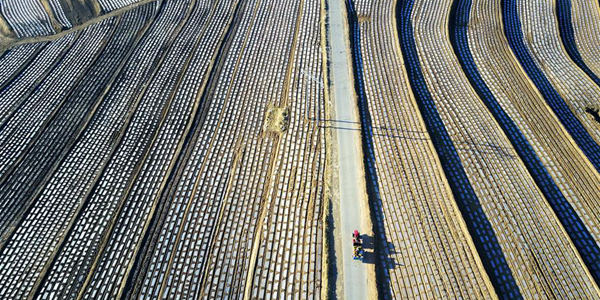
(422, 237)
(532, 33)
(16, 60)
(585, 23)
(18, 91)
(589, 12)
(557, 165)
(517, 234)
(203, 26)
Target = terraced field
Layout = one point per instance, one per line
(185, 148)
(166, 152)
(422, 229)
(519, 163)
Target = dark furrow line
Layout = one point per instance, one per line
(514, 34)
(63, 105)
(567, 35)
(579, 234)
(13, 216)
(166, 107)
(139, 37)
(25, 65)
(157, 219)
(59, 59)
(479, 226)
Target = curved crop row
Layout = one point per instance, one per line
(567, 34)
(493, 175)
(16, 267)
(17, 91)
(45, 153)
(27, 18)
(417, 222)
(585, 23)
(545, 147)
(567, 89)
(14, 61)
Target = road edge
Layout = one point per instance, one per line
(366, 224)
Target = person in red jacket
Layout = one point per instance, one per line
(357, 243)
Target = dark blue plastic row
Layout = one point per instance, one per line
(574, 226)
(479, 226)
(514, 34)
(565, 24)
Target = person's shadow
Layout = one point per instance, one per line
(370, 255)
(369, 249)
